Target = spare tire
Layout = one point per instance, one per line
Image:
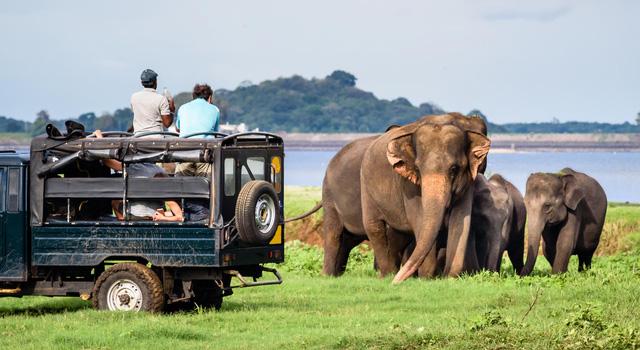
(257, 212)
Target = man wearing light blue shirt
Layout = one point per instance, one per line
(197, 116)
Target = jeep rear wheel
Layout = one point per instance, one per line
(257, 212)
(128, 287)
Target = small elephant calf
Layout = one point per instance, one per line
(497, 222)
(567, 210)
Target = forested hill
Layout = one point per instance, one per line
(296, 104)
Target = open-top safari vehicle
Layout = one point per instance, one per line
(59, 237)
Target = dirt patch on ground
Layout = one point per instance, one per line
(307, 230)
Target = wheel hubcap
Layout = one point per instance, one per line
(265, 213)
(124, 295)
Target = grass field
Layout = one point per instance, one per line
(591, 310)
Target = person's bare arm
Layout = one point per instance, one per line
(167, 120)
(175, 210)
(111, 163)
(167, 110)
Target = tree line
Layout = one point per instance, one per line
(296, 104)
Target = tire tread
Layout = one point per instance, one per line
(145, 274)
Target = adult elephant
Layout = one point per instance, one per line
(567, 210)
(342, 227)
(498, 222)
(418, 178)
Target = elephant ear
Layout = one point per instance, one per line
(573, 194)
(401, 153)
(391, 127)
(478, 150)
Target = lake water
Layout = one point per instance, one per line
(618, 173)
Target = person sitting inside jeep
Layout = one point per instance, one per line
(144, 209)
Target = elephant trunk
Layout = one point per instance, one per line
(535, 228)
(435, 200)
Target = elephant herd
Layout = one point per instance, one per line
(418, 194)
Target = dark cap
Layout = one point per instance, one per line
(148, 76)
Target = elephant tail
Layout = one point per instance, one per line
(302, 216)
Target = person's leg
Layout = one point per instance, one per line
(116, 205)
(185, 169)
(202, 169)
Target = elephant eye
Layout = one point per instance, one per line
(546, 207)
(453, 171)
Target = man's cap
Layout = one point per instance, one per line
(148, 76)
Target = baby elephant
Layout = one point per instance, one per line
(568, 210)
(497, 222)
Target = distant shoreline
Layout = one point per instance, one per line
(502, 143)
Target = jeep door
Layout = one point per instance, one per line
(13, 230)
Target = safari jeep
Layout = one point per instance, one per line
(59, 236)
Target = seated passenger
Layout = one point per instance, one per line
(144, 209)
(197, 116)
(149, 209)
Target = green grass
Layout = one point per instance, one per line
(299, 199)
(17, 138)
(595, 309)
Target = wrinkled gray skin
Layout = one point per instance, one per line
(342, 227)
(567, 210)
(418, 178)
(497, 222)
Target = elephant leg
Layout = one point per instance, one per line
(401, 246)
(495, 255)
(408, 250)
(429, 266)
(442, 260)
(348, 242)
(584, 261)
(499, 265)
(482, 247)
(435, 261)
(587, 261)
(385, 258)
(549, 251)
(398, 244)
(471, 261)
(515, 249)
(580, 262)
(376, 230)
(458, 234)
(332, 228)
(565, 245)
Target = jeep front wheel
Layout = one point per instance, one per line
(128, 287)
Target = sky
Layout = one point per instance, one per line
(517, 61)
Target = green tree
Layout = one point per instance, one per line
(39, 125)
(105, 122)
(344, 78)
(477, 113)
(638, 118)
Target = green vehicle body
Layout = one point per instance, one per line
(65, 257)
